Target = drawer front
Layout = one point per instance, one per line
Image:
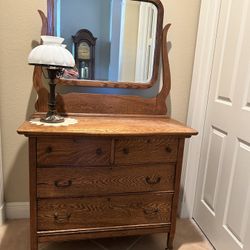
(56, 214)
(145, 150)
(76, 182)
(76, 151)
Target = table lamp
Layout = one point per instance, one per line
(54, 56)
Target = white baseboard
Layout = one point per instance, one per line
(2, 214)
(17, 210)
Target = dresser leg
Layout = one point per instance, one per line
(33, 238)
(33, 243)
(33, 193)
(170, 242)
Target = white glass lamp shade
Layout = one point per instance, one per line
(51, 53)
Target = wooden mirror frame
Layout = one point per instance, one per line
(78, 104)
(110, 84)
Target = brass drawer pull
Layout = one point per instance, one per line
(151, 211)
(126, 151)
(153, 181)
(99, 151)
(168, 149)
(62, 219)
(63, 184)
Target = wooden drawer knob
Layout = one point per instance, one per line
(48, 150)
(153, 181)
(63, 183)
(151, 211)
(99, 151)
(168, 149)
(126, 151)
(61, 218)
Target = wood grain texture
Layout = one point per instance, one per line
(166, 86)
(98, 125)
(145, 150)
(73, 151)
(33, 193)
(105, 211)
(176, 194)
(79, 182)
(107, 104)
(102, 232)
(44, 29)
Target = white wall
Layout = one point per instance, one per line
(184, 17)
(20, 27)
(1, 185)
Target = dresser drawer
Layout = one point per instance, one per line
(145, 150)
(56, 214)
(75, 182)
(75, 151)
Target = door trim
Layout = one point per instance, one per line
(204, 54)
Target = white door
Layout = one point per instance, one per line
(146, 42)
(222, 203)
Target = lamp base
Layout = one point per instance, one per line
(52, 119)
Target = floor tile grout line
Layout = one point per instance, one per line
(98, 244)
(134, 243)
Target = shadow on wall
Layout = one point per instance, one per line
(169, 106)
(17, 181)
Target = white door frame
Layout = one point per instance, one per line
(144, 57)
(205, 45)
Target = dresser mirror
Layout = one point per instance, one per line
(76, 95)
(128, 38)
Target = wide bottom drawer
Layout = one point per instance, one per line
(73, 213)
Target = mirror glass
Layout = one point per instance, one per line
(123, 34)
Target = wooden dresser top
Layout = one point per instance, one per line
(93, 125)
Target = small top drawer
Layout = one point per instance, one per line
(74, 151)
(145, 150)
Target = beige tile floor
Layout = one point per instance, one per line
(14, 235)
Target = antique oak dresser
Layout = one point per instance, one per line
(114, 173)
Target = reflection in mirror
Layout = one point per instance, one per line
(125, 36)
